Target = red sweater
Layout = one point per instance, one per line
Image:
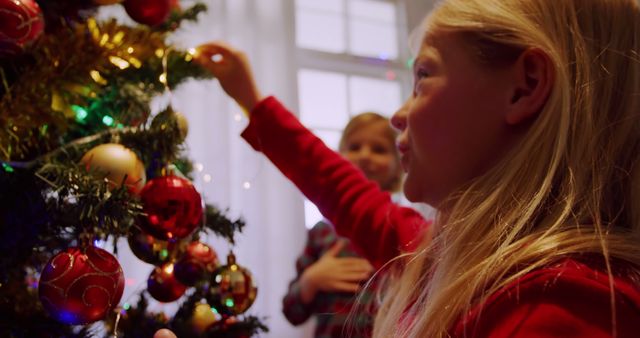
(568, 299)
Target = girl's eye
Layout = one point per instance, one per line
(421, 73)
(353, 147)
(380, 150)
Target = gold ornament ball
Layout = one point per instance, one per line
(183, 124)
(114, 162)
(170, 119)
(203, 318)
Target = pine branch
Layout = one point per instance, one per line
(70, 201)
(81, 205)
(222, 226)
(138, 322)
(178, 17)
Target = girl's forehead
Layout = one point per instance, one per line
(419, 33)
(373, 129)
(432, 40)
(442, 46)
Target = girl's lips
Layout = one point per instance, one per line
(404, 160)
(403, 149)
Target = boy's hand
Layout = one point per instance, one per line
(232, 69)
(334, 274)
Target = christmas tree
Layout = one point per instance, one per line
(83, 161)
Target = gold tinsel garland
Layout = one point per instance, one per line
(60, 71)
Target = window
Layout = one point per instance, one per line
(359, 27)
(323, 98)
(371, 94)
(320, 25)
(372, 29)
(349, 61)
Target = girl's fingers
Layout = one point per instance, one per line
(211, 49)
(346, 287)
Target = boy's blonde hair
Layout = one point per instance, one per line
(365, 119)
(571, 187)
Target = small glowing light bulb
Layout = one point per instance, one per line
(216, 57)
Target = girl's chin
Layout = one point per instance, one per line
(411, 193)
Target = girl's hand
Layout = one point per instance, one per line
(164, 333)
(232, 69)
(334, 274)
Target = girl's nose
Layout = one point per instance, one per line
(399, 119)
(364, 155)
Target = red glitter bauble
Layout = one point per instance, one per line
(148, 12)
(21, 22)
(81, 285)
(163, 286)
(173, 207)
(198, 260)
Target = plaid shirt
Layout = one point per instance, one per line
(332, 310)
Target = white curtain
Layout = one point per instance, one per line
(240, 179)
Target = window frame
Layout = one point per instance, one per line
(356, 65)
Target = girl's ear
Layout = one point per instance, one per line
(533, 79)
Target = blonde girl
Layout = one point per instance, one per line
(523, 130)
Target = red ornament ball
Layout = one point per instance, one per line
(173, 207)
(163, 286)
(175, 5)
(81, 285)
(197, 260)
(21, 22)
(148, 12)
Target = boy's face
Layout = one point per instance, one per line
(371, 151)
(453, 128)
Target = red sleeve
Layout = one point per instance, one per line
(556, 303)
(357, 207)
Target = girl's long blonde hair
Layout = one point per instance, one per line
(572, 185)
